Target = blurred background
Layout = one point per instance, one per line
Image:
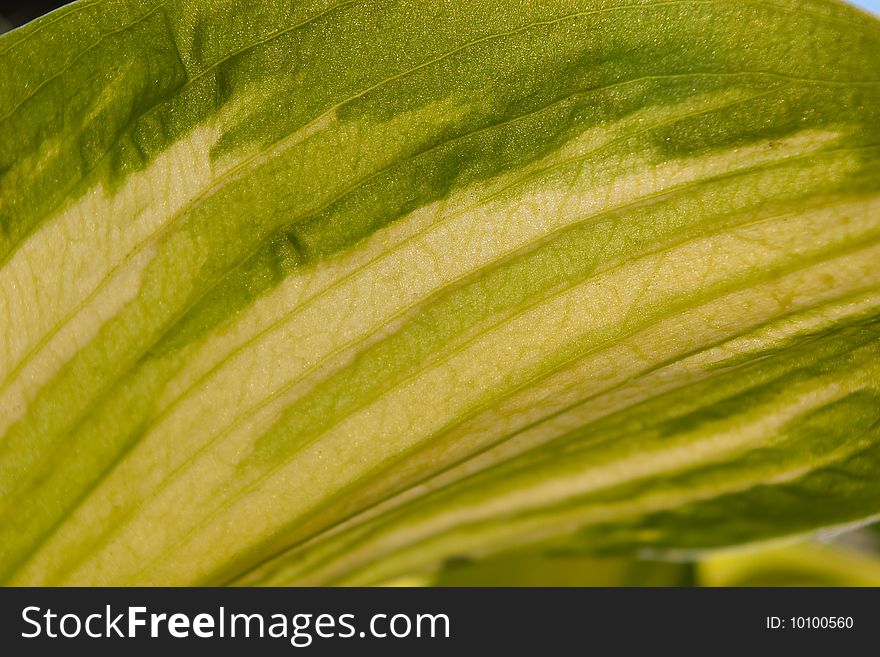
(848, 558)
(873, 5)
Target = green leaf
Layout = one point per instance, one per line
(564, 570)
(326, 292)
(794, 565)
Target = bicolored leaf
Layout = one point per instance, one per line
(327, 291)
(794, 565)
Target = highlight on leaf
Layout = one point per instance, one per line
(339, 292)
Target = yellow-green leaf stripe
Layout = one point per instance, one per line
(324, 292)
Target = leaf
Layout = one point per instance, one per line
(561, 570)
(795, 565)
(326, 292)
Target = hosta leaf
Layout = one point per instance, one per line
(321, 291)
(561, 570)
(796, 565)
